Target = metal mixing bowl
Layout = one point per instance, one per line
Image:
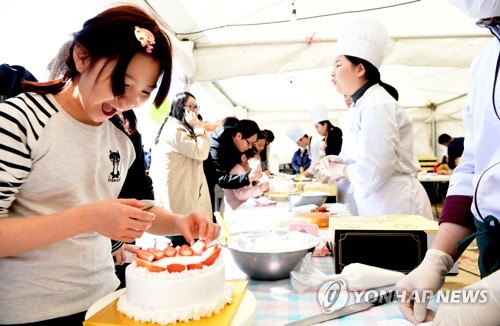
(260, 265)
(308, 198)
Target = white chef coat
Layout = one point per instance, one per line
(315, 153)
(477, 175)
(378, 146)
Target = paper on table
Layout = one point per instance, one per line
(362, 277)
(357, 276)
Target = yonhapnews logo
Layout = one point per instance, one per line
(330, 296)
(333, 295)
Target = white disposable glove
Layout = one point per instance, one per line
(333, 166)
(324, 163)
(428, 276)
(320, 177)
(474, 313)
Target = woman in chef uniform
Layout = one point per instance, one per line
(472, 201)
(377, 151)
(332, 136)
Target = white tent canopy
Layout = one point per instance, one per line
(254, 60)
(275, 68)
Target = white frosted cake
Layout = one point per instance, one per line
(166, 290)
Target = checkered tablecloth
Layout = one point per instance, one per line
(278, 303)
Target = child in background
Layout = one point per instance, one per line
(300, 159)
(233, 198)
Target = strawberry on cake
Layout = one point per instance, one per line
(175, 284)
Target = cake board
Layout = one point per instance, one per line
(241, 311)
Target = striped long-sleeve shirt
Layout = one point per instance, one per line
(50, 162)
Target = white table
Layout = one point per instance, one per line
(433, 177)
(251, 217)
(436, 179)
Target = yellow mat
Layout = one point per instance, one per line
(468, 262)
(109, 315)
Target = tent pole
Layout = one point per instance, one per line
(433, 107)
(433, 135)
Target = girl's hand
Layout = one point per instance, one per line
(192, 118)
(197, 225)
(119, 256)
(118, 219)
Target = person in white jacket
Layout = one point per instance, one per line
(377, 151)
(472, 200)
(181, 146)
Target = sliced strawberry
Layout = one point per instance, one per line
(144, 254)
(159, 254)
(185, 250)
(141, 262)
(211, 259)
(209, 250)
(198, 247)
(195, 266)
(176, 268)
(152, 268)
(322, 209)
(170, 251)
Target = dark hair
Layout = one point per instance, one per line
(329, 125)
(111, 35)
(249, 153)
(246, 127)
(269, 135)
(230, 121)
(444, 138)
(177, 111)
(261, 135)
(373, 75)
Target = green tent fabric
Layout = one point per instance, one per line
(158, 115)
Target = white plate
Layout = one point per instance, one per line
(245, 315)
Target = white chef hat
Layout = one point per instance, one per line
(478, 8)
(363, 37)
(294, 132)
(318, 113)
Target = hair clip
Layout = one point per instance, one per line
(146, 38)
